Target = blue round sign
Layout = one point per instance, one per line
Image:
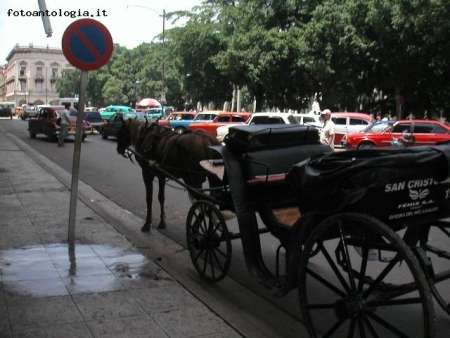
(87, 44)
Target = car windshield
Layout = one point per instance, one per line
(379, 127)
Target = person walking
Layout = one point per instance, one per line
(64, 124)
(327, 132)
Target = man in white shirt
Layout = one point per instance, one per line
(327, 132)
(65, 122)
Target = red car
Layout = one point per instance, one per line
(221, 120)
(45, 123)
(387, 133)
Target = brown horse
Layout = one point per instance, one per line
(178, 154)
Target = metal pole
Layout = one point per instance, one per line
(163, 95)
(76, 158)
(46, 90)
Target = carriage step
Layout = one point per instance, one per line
(259, 179)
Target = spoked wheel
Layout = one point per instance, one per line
(364, 281)
(436, 244)
(208, 241)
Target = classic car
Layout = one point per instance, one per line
(112, 126)
(220, 120)
(45, 123)
(177, 118)
(347, 123)
(259, 118)
(387, 133)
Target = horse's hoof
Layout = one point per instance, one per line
(146, 228)
(162, 226)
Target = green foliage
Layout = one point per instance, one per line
(361, 54)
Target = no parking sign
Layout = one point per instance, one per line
(87, 44)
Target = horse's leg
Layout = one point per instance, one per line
(148, 181)
(161, 199)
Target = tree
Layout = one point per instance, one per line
(69, 83)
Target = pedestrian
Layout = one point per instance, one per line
(64, 124)
(327, 132)
(315, 109)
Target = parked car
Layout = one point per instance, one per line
(153, 114)
(204, 116)
(93, 117)
(5, 110)
(309, 120)
(385, 133)
(110, 110)
(45, 123)
(177, 118)
(347, 123)
(112, 126)
(29, 113)
(259, 118)
(220, 120)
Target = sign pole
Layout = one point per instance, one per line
(76, 157)
(87, 44)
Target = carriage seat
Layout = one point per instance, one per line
(271, 165)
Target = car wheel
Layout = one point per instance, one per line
(179, 130)
(366, 145)
(104, 135)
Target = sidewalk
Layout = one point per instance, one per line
(102, 287)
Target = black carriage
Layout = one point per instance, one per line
(359, 231)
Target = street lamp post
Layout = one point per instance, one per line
(163, 15)
(138, 90)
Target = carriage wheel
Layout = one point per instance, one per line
(436, 243)
(208, 241)
(364, 282)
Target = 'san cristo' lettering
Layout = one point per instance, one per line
(413, 184)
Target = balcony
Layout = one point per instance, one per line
(39, 77)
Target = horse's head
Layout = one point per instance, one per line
(123, 138)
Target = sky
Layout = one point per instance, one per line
(128, 24)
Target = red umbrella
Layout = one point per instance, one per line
(148, 102)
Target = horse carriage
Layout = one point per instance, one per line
(362, 234)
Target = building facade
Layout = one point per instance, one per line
(30, 75)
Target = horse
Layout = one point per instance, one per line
(175, 153)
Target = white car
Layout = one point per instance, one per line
(309, 120)
(260, 118)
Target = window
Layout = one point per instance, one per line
(237, 119)
(308, 120)
(260, 120)
(440, 130)
(423, 129)
(39, 86)
(38, 71)
(223, 118)
(402, 128)
(54, 72)
(275, 120)
(339, 120)
(23, 86)
(358, 122)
